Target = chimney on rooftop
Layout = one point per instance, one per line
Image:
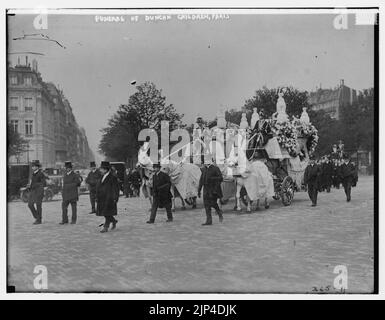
(342, 82)
(34, 65)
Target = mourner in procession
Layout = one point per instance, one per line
(107, 196)
(36, 191)
(349, 176)
(311, 180)
(326, 174)
(162, 197)
(127, 185)
(135, 182)
(92, 180)
(70, 194)
(210, 181)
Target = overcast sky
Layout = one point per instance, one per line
(199, 65)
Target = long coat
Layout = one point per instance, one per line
(210, 180)
(38, 182)
(161, 188)
(326, 174)
(71, 182)
(312, 175)
(93, 179)
(107, 196)
(348, 173)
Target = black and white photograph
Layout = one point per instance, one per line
(182, 150)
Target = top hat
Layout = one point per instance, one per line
(105, 165)
(36, 163)
(68, 164)
(92, 164)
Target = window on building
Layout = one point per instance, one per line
(14, 103)
(28, 104)
(28, 80)
(13, 79)
(15, 125)
(28, 127)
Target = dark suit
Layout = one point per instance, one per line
(326, 176)
(311, 179)
(36, 194)
(349, 176)
(210, 181)
(161, 186)
(107, 195)
(92, 180)
(70, 195)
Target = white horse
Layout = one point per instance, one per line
(256, 181)
(185, 181)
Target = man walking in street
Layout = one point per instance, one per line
(136, 182)
(210, 181)
(162, 196)
(311, 179)
(107, 195)
(36, 193)
(327, 173)
(92, 180)
(348, 175)
(70, 194)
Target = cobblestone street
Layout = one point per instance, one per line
(282, 249)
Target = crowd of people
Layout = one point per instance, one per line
(132, 182)
(327, 172)
(320, 175)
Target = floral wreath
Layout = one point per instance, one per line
(287, 136)
(307, 131)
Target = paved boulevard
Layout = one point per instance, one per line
(283, 249)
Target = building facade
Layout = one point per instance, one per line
(42, 115)
(332, 100)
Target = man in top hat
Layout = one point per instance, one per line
(348, 175)
(36, 194)
(326, 174)
(311, 179)
(107, 196)
(70, 195)
(210, 181)
(161, 191)
(92, 180)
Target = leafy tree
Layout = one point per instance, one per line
(15, 143)
(151, 108)
(266, 99)
(357, 122)
(146, 109)
(329, 131)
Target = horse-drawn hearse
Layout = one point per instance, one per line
(267, 157)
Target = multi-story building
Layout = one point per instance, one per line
(31, 113)
(43, 116)
(332, 100)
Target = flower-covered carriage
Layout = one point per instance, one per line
(285, 145)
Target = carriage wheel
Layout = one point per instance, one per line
(287, 191)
